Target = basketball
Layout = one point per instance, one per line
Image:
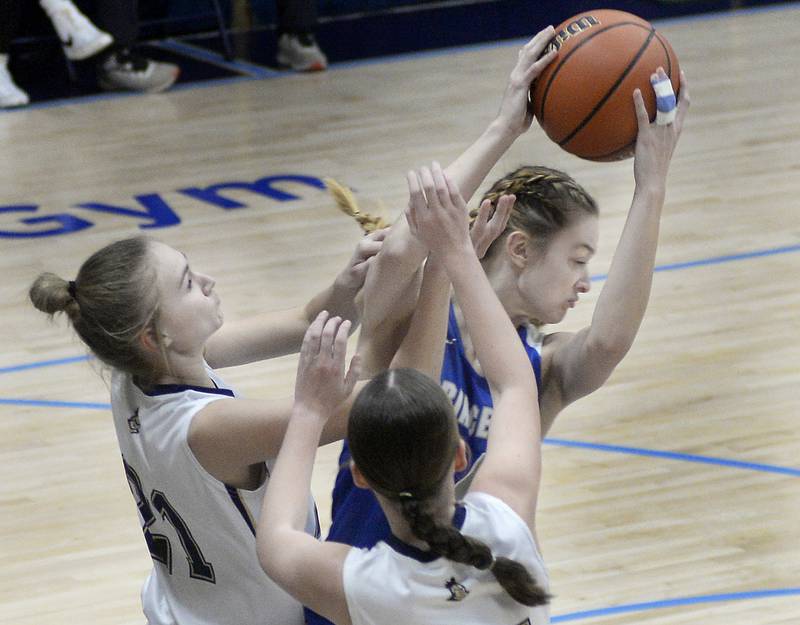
(583, 99)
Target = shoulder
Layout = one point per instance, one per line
(493, 520)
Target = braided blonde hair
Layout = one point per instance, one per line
(346, 202)
(548, 200)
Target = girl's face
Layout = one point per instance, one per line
(553, 279)
(189, 309)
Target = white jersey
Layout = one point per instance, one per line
(200, 532)
(394, 578)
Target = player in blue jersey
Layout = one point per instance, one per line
(197, 456)
(472, 561)
(539, 269)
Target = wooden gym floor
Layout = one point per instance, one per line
(670, 497)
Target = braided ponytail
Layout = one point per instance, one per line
(548, 200)
(450, 543)
(346, 202)
(403, 437)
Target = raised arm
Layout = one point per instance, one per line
(306, 568)
(387, 293)
(582, 362)
(281, 332)
(511, 466)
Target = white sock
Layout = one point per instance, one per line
(52, 6)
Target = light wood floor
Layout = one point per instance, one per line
(712, 380)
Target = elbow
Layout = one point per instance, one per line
(271, 553)
(608, 350)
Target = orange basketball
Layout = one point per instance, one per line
(583, 100)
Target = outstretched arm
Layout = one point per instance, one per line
(309, 570)
(511, 466)
(582, 362)
(387, 295)
(281, 332)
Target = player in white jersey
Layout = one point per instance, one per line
(471, 562)
(196, 456)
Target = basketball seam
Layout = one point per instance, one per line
(611, 91)
(601, 157)
(540, 117)
(666, 54)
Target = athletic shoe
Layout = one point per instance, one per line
(301, 53)
(80, 38)
(127, 71)
(10, 93)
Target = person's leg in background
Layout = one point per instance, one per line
(121, 67)
(297, 47)
(10, 93)
(80, 38)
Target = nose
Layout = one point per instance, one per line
(584, 283)
(208, 284)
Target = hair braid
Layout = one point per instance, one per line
(346, 202)
(548, 200)
(447, 541)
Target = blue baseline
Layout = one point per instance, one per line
(46, 403)
(44, 363)
(717, 260)
(714, 260)
(394, 58)
(673, 455)
(671, 603)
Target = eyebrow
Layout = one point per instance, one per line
(185, 270)
(588, 247)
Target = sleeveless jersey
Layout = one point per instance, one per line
(200, 531)
(357, 518)
(395, 578)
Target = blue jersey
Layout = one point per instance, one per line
(357, 518)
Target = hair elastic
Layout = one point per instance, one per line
(71, 289)
(405, 495)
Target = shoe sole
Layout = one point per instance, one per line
(110, 86)
(316, 66)
(99, 44)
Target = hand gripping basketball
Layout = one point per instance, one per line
(666, 103)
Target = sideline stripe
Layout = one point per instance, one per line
(714, 260)
(44, 363)
(673, 455)
(671, 603)
(786, 6)
(717, 260)
(54, 404)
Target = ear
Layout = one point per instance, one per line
(148, 339)
(461, 455)
(517, 248)
(358, 478)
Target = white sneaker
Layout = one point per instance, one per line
(128, 71)
(301, 53)
(80, 38)
(10, 93)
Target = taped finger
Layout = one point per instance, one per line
(666, 103)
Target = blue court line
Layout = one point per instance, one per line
(714, 260)
(44, 363)
(391, 59)
(717, 260)
(45, 403)
(671, 603)
(674, 455)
